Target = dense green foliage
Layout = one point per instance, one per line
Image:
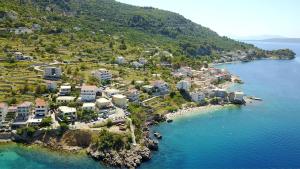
(29, 131)
(87, 115)
(46, 122)
(138, 117)
(111, 141)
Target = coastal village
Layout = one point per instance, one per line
(93, 77)
(64, 104)
(108, 98)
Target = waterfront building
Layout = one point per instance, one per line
(197, 96)
(183, 85)
(41, 107)
(24, 110)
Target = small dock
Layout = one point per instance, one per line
(255, 98)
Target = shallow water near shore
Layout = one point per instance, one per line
(261, 135)
(15, 156)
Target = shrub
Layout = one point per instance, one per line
(29, 131)
(46, 122)
(108, 140)
(109, 123)
(63, 127)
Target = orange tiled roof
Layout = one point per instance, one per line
(40, 102)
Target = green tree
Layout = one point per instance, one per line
(46, 122)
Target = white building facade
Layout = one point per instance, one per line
(41, 107)
(197, 96)
(88, 93)
(102, 75)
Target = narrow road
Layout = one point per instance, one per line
(132, 132)
(149, 99)
(38, 68)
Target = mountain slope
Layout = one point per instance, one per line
(139, 26)
(101, 29)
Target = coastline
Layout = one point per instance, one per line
(200, 110)
(189, 112)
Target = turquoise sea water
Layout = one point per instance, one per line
(13, 156)
(262, 135)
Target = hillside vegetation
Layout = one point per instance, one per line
(84, 35)
(105, 27)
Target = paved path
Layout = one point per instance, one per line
(132, 132)
(38, 68)
(55, 123)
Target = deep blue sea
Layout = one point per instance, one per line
(260, 135)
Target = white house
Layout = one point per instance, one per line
(183, 85)
(65, 90)
(89, 106)
(197, 96)
(88, 93)
(110, 92)
(41, 107)
(103, 103)
(68, 112)
(19, 55)
(119, 100)
(24, 110)
(3, 112)
(52, 72)
(220, 92)
(237, 97)
(120, 60)
(64, 99)
(102, 75)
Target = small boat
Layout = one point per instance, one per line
(257, 98)
(157, 135)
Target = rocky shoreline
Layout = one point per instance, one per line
(131, 157)
(251, 55)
